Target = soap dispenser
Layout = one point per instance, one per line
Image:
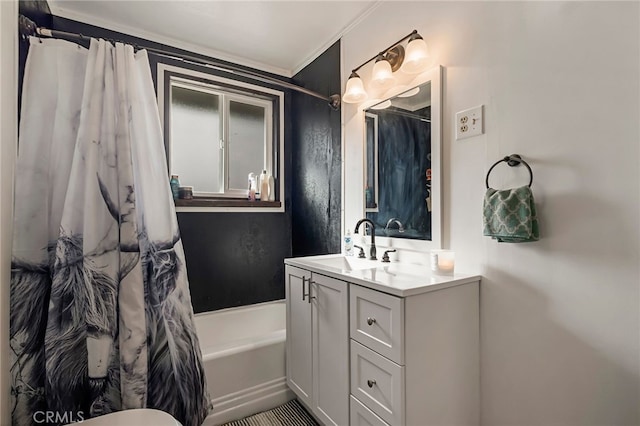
(348, 244)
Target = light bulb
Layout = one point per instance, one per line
(354, 92)
(416, 56)
(382, 76)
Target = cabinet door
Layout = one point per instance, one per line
(298, 356)
(330, 322)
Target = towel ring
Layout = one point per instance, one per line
(512, 160)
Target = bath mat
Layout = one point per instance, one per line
(289, 414)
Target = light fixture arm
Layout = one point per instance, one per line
(383, 52)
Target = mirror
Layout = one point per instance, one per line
(402, 163)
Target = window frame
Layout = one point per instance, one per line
(228, 90)
(268, 152)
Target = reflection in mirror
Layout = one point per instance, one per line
(398, 165)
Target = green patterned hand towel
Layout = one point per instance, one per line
(510, 215)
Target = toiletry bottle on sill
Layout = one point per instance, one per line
(348, 244)
(175, 186)
(264, 186)
(272, 188)
(251, 196)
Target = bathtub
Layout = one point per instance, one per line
(243, 351)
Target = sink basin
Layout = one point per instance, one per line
(345, 263)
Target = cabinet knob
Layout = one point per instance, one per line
(370, 321)
(370, 383)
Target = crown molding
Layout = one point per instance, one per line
(320, 50)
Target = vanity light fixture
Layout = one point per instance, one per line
(389, 61)
(417, 55)
(354, 92)
(382, 75)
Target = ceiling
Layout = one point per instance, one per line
(276, 36)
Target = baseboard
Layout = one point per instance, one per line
(249, 401)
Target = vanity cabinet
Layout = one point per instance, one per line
(395, 353)
(317, 348)
(415, 359)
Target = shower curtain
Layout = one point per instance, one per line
(101, 315)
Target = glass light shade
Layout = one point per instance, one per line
(382, 76)
(369, 102)
(410, 93)
(416, 57)
(382, 105)
(354, 91)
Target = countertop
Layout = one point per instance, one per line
(398, 279)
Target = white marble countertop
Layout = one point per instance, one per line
(398, 279)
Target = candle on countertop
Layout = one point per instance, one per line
(442, 262)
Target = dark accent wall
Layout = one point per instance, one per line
(316, 167)
(233, 259)
(36, 10)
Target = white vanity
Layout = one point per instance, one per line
(370, 343)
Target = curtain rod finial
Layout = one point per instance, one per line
(26, 27)
(334, 102)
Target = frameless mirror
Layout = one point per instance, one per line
(402, 163)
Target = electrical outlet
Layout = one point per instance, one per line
(469, 123)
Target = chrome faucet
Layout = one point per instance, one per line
(391, 221)
(372, 251)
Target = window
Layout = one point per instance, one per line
(217, 131)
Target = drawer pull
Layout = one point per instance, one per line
(370, 321)
(370, 383)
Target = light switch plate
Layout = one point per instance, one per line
(469, 123)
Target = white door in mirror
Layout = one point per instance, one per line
(469, 123)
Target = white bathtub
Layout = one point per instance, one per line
(243, 350)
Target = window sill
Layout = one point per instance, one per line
(228, 205)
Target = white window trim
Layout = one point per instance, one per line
(279, 166)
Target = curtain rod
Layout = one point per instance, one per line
(29, 28)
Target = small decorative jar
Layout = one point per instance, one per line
(185, 193)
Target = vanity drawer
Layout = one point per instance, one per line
(362, 416)
(378, 383)
(377, 321)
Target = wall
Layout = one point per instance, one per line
(235, 259)
(232, 259)
(316, 160)
(560, 85)
(8, 136)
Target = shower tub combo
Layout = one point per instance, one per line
(243, 350)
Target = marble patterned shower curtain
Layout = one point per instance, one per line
(101, 315)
